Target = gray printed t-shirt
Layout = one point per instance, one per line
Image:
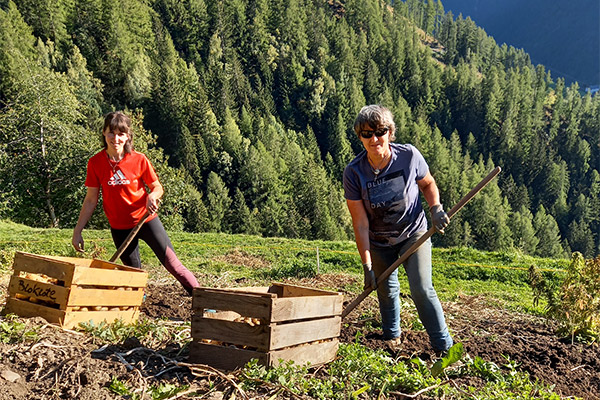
(391, 200)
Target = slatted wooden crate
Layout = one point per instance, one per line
(68, 291)
(281, 322)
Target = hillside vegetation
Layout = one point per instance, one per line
(502, 340)
(226, 260)
(245, 108)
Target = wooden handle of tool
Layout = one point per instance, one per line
(421, 240)
(130, 237)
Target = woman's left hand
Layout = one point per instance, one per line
(152, 204)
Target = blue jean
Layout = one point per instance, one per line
(418, 271)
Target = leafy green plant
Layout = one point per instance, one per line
(12, 330)
(356, 371)
(484, 369)
(359, 372)
(453, 355)
(575, 303)
(156, 392)
(165, 391)
(119, 387)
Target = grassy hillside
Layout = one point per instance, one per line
(245, 260)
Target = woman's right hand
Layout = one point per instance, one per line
(77, 242)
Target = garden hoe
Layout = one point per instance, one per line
(419, 242)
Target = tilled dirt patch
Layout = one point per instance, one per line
(66, 364)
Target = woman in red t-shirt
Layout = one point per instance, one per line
(122, 175)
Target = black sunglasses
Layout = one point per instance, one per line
(378, 132)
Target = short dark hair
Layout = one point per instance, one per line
(374, 115)
(118, 121)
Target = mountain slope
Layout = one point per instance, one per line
(562, 35)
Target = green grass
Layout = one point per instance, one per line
(498, 276)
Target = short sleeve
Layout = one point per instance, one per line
(419, 164)
(92, 179)
(148, 175)
(351, 185)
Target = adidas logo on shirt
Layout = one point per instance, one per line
(118, 179)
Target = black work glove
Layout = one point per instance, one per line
(370, 279)
(439, 218)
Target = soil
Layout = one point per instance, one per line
(65, 364)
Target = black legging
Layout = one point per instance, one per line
(154, 234)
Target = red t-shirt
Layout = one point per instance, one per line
(123, 186)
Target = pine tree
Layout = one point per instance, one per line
(489, 213)
(87, 88)
(217, 202)
(49, 20)
(581, 238)
(239, 217)
(546, 230)
(188, 24)
(340, 146)
(523, 233)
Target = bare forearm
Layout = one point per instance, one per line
(432, 195)
(430, 190)
(360, 223)
(362, 243)
(87, 209)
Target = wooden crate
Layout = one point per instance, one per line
(67, 290)
(272, 324)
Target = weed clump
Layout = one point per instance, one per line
(575, 302)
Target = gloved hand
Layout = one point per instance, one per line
(370, 279)
(439, 218)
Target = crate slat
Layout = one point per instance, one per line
(95, 263)
(293, 333)
(67, 320)
(222, 357)
(230, 358)
(35, 264)
(27, 309)
(292, 308)
(255, 305)
(237, 333)
(313, 353)
(41, 291)
(102, 277)
(300, 291)
(104, 297)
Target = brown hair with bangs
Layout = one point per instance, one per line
(117, 121)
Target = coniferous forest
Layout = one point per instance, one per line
(245, 107)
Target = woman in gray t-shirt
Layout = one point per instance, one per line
(382, 186)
